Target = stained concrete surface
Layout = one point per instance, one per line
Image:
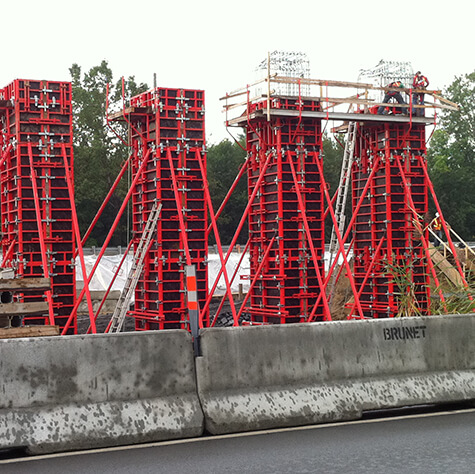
(271, 376)
(99, 390)
(440, 443)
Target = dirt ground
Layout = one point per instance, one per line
(225, 318)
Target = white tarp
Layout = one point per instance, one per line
(109, 264)
(105, 271)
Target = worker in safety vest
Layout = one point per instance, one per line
(437, 228)
(419, 82)
(393, 95)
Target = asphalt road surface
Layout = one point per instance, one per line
(429, 443)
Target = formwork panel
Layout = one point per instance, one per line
(386, 219)
(169, 123)
(38, 114)
(286, 287)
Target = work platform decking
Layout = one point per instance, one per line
(336, 116)
(360, 99)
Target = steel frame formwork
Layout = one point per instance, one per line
(286, 223)
(169, 124)
(37, 223)
(389, 201)
(389, 231)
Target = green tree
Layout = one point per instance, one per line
(223, 163)
(332, 160)
(451, 158)
(98, 152)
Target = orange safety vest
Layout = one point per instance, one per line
(420, 82)
(396, 84)
(437, 224)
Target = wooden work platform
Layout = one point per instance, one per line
(25, 284)
(29, 331)
(339, 116)
(336, 100)
(23, 309)
(119, 115)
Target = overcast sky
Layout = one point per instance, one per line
(216, 45)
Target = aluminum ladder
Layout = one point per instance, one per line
(342, 195)
(118, 317)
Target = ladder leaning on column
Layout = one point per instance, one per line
(342, 194)
(118, 317)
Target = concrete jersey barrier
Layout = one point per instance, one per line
(76, 392)
(273, 376)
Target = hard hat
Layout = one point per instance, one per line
(437, 214)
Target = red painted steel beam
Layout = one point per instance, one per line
(238, 230)
(341, 243)
(229, 193)
(345, 237)
(5, 154)
(446, 230)
(106, 200)
(78, 237)
(326, 308)
(216, 235)
(223, 299)
(41, 236)
(368, 272)
(423, 240)
(108, 238)
(179, 208)
(255, 278)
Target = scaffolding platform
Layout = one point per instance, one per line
(337, 116)
(337, 100)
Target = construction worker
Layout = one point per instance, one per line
(437, 228)
(419, 82)
(393, 95)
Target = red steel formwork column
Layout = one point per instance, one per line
(37, 114)
(171, 123)
(390, 265)
(287, 286)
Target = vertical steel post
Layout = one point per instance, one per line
(193, 307)
(41, 235)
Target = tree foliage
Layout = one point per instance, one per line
(332, 160)
(224, 162)
(451, 158)
(98, 152)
